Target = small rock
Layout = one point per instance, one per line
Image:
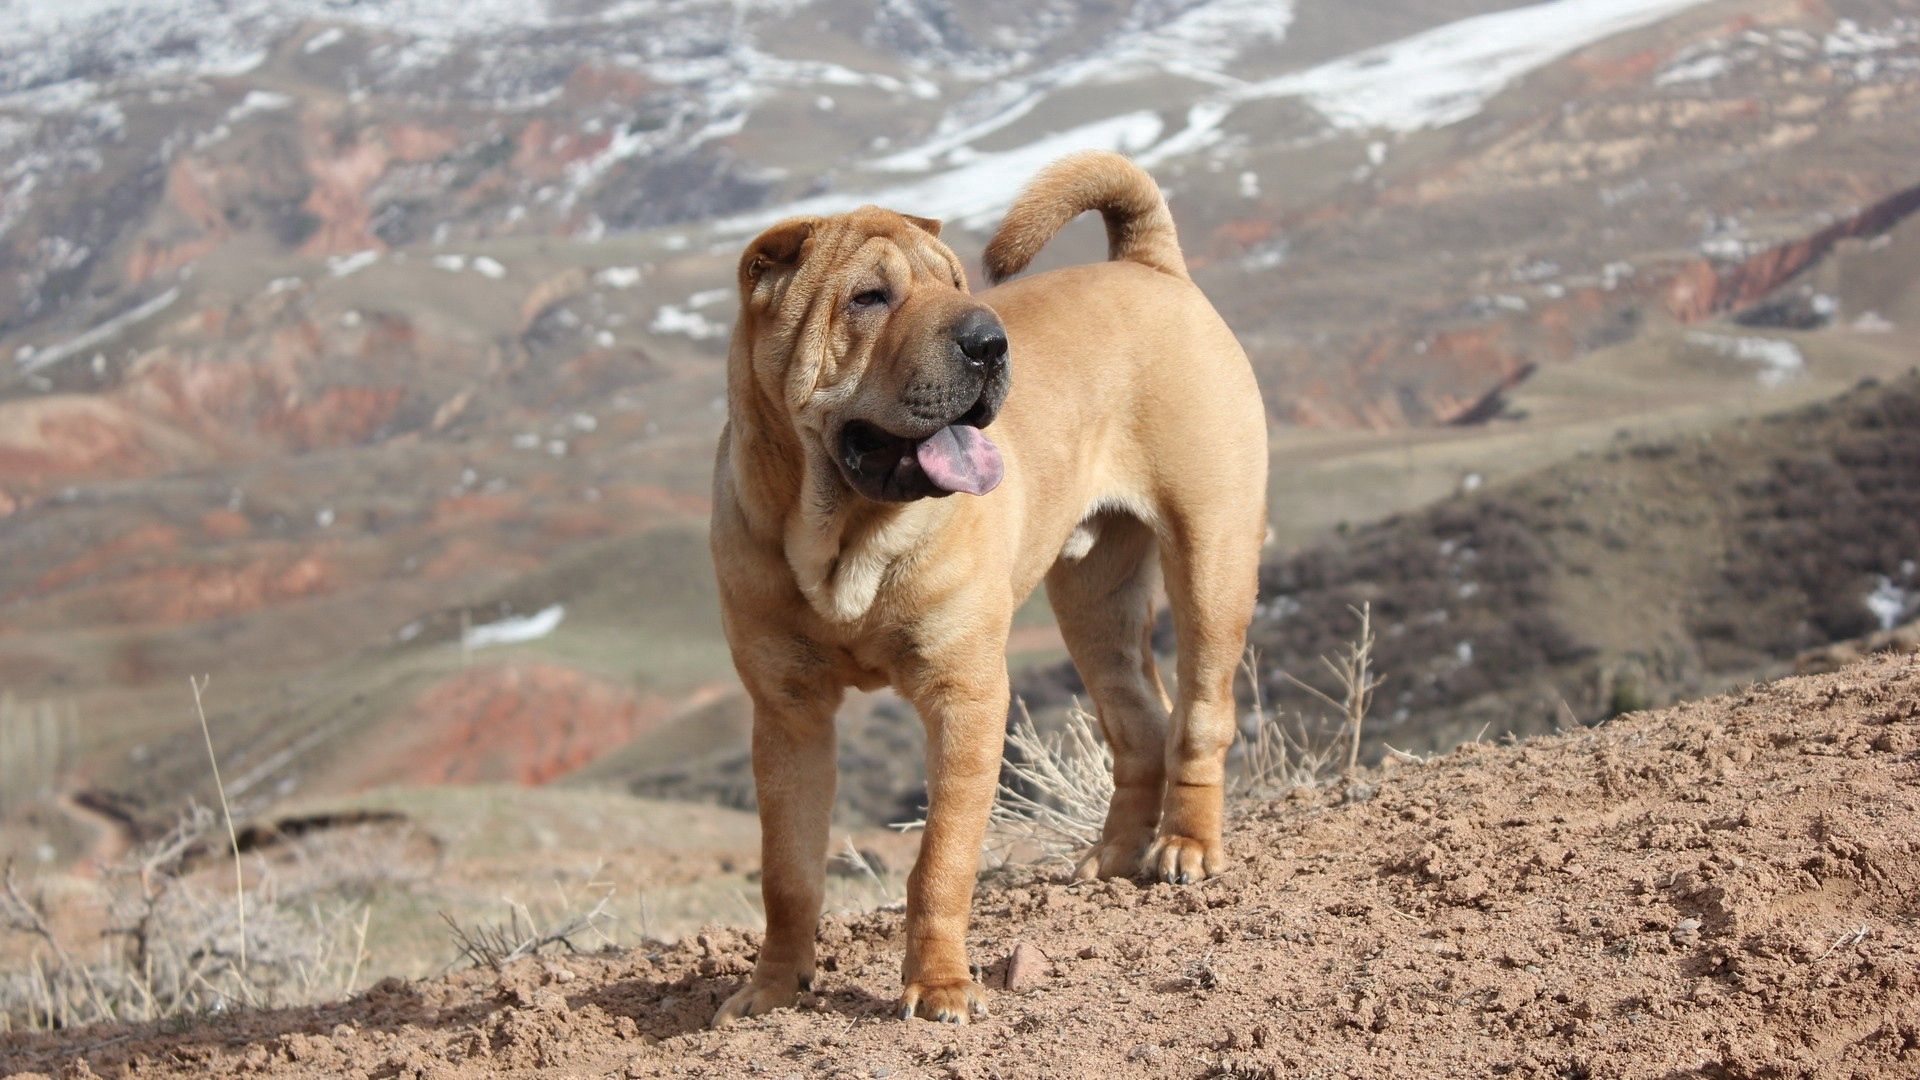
(1026, 968)
(1091, 952)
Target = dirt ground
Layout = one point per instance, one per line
(1725, 889)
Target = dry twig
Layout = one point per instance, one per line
(1353, 674)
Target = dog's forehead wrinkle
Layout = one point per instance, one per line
(881, 255)
(805, 355)
(934, 260)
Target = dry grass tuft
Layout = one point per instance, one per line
(877, 890)
(226, 813)
(527, 933)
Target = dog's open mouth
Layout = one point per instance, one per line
(897, 468)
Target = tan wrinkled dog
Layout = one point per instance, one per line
(1101, 427)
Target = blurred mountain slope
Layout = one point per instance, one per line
(330, 335)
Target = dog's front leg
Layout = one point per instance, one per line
(793, 776)
(964, 707)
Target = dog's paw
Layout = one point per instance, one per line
(757, 997)
(1182, 860)
(1111, 860)
(949, 1001)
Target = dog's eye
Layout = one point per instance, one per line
(870, 299)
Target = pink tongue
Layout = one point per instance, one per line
(960, 458)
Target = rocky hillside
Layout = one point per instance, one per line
(1639, 576)
(1723, 889)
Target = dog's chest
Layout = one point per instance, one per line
(841, 575)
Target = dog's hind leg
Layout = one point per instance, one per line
(1212, 558)
(1103, 601)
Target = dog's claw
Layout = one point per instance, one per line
(1181, 860)
(754, 999)
(947, 1001)
(1112, 859)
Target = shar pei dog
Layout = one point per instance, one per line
(905, 460)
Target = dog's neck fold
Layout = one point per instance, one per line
(843, 548)
(840, 547)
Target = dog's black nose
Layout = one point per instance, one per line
(982, 340)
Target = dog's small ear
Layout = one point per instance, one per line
(781, 245)
(924, 224)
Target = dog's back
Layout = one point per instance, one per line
(1139, 226)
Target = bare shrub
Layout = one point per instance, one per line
(172, 942)
(1274, 752)
(1354, 681)
(1054, 788)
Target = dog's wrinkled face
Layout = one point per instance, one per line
(861, 327)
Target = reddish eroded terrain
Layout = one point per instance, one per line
(526, 723)
(1725, 889)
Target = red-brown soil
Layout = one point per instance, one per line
(1724, 889)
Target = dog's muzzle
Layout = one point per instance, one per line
(952, 457)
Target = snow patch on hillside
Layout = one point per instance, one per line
(32, 360)
(1890, 603)
(516, 630)
(1447, 74)
(618, 277)
(347, 265)
(1200, 43)
(687, 320)
(974, 193)
(1778, 360)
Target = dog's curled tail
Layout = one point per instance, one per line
(1139, 226)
